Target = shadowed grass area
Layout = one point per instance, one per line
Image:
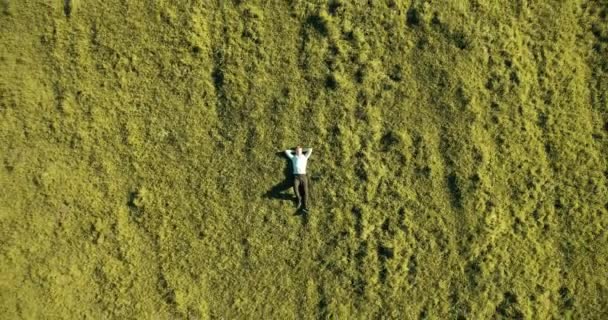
(459, 168)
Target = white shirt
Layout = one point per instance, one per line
(299, 162)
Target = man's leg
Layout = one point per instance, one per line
(306, 195)
(296, 189)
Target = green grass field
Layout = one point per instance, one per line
(459, 169)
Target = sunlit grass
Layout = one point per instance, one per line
(459, 168)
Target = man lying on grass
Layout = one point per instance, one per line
(299, 161)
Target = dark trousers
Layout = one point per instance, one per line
(301, 180)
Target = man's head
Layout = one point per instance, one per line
(298, 150)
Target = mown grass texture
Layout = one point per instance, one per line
(459, 167)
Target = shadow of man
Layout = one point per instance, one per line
(278, 191)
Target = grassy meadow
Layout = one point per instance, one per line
(459, 168)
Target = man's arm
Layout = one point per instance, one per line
(308, 152)
(288, 153)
